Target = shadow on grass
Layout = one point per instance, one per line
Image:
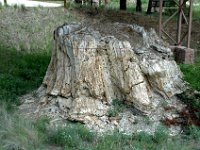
(20, 73)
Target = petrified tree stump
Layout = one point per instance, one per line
(88, 71)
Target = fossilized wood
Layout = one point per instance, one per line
(87, 71)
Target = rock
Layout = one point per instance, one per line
(88, 71)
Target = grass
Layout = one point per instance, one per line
(31, 29)
(20, 73)
(73, 136)
(17, 133)
(192, 76)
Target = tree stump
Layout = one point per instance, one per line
(88, 71)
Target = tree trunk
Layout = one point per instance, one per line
(65, 3)
(5, 2)
(149, 7)
(139, 6)
(87, 72)
(122, 4)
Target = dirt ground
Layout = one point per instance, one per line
(103, 19)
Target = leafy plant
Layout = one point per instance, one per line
(71, 136)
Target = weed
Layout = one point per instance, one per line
(115, 141)
(193, 132)
(18, 133)
(117, 107)
(72, 136)
(41, 124)
(161, 134)
(192, 76)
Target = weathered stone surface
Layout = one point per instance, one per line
(88, 71)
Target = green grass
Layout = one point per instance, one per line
(77, 137)
(23, 72)
(73, 136)
(32, 29)
(20, 73)
(18, 133)
(192, 76)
